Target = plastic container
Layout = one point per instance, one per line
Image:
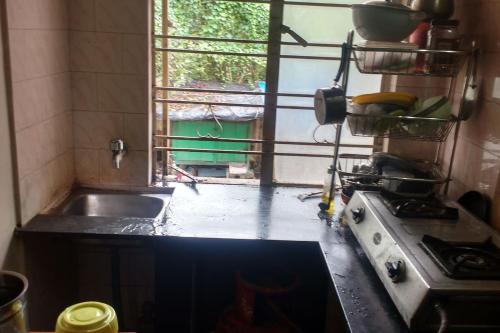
(87, 317)
(443, 35)
(419, 37)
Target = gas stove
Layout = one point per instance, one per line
(442, 272)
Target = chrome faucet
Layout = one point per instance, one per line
(119, 149)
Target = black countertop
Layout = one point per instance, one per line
(254, 213)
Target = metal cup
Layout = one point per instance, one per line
(13, 303)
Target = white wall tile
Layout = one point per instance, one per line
(122, 93)
(96, 129)
(84, 91)
(82, 15)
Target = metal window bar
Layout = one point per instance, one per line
(245, 105)
(276, 142)
(242, 41)
(232, 92)
(317, 4)
(243, 54)
(236, 92)
(269, 107)
(295, 3)
(240, 54)
(212, 39)
(243, 152)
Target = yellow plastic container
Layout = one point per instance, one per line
(87, 317)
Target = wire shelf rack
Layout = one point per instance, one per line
(355, 171)
(400, 127)
(405, 61)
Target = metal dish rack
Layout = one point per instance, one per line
(400, 127)
(349, 165)
(404, 61)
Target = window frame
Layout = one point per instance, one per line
(274, 56)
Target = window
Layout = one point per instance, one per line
(234, 89)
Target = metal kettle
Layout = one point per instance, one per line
(435, 9)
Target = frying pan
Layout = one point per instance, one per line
(330, 104)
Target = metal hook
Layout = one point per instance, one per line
(219, 125)
(314, 136)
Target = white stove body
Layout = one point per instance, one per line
(421, 284)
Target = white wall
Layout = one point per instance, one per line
(7, 201)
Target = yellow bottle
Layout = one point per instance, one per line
(325, 197)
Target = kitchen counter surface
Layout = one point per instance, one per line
(253, 213)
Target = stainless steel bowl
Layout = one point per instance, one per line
(385, 21)
(13, 303)
(435, 9)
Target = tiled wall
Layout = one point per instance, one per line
(7, 196)
(477, 160)
(39, 50)
(109, 65)
(80, 79)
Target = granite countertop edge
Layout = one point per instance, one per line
(273, 214)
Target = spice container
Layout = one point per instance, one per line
(442, 35)
(419, 37)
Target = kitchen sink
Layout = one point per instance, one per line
(114, 204)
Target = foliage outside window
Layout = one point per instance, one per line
(216, 19)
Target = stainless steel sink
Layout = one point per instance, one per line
(113, 205)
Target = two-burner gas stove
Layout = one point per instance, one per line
(439, 264)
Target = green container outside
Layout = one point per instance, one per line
(235, 130)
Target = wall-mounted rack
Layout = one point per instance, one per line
(404, 61)
(409, 62)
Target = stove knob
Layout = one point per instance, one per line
(358, 215)
(396, 270)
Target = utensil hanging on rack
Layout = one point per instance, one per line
(472, 87)
(330, 104)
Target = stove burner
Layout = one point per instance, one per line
(430, 208)
(471, 261)
(464, 260)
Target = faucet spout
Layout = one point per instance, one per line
(119, 149)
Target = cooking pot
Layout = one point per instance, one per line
(435, 9)
(13, 304)
(330, 104)
(385, 21)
